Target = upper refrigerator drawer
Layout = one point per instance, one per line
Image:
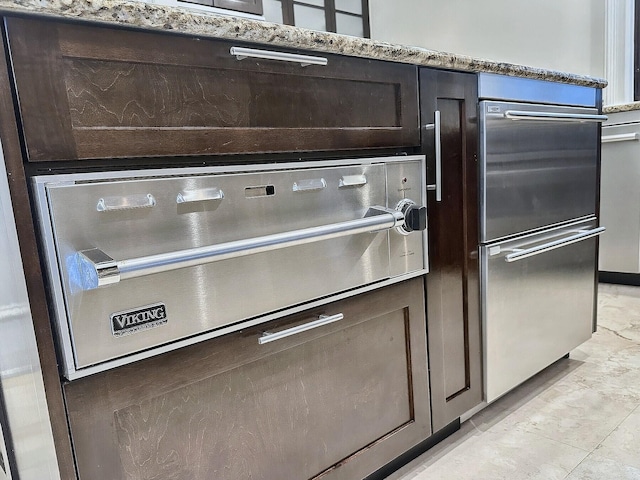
(539, 166)
(95, 92)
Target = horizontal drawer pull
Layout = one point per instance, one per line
(304, 60)
(206, 194)
(321, 321)
(95, 268)
(128, 202)
(311, 184)
(623, 137)
(530, 252)
(553, 116)
(352, 181)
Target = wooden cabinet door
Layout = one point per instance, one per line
(453, 305)
(249, 6)
(334, 402)
(96, 92)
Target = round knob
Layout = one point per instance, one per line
(415, 216)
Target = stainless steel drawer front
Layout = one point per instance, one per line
(536, 307)
(538, 166)
(212, 255)
(620, 199)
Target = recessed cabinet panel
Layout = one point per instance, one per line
(335, 402)
(90, 92)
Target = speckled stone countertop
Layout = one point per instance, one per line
(159, 17)
(625, 107)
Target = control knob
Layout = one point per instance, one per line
(415, 217)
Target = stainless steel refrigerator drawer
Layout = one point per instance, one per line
(620, 199)
(538, 298)
(539, 167)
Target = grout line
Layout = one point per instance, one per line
(616, 427)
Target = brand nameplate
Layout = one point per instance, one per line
(143, 318)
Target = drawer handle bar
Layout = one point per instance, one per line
(623, 137)
(321, 321)
(546, 247)
(94, 268)
(553, 116)
(304, 60)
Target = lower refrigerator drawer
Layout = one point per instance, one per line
(538, 301)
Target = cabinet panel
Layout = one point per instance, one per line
(336, 402)
(453, 308)
(91, 92)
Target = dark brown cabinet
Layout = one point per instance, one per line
(453, 306)
(95, 92)
(335, 402)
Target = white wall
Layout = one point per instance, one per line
(565, 35)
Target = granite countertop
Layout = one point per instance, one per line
(181, 20)
(624, 107)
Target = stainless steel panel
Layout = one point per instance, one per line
(29, 427)
(620, 200)
(502, 87)
(205, 297)
(537, 309)
(534, 173)
(406, 181)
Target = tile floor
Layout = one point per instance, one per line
(578, 419)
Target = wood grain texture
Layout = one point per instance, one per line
(33, 274)
(136, 85)
(336, 402)
(42, 96)
(453, 304)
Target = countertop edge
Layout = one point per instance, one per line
(190, 22)
(623, 107)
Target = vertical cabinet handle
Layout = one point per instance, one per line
(438, 147)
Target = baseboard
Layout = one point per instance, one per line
(415, 452)
(619, 278)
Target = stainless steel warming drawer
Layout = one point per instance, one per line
(141, 262)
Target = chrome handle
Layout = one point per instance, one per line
(322, 320)
(304, 60)
(546, 247)
(128, 202)
(90, 274)
(310, 184)
(553, 116)
(438, 147)
(623, 137)
(352, 181)
(203, 195)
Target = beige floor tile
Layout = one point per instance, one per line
(623, 445)
(523, 394)
(571, 413)
(596, 467)
(602, 345)
(513, 455)
(410, 471)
